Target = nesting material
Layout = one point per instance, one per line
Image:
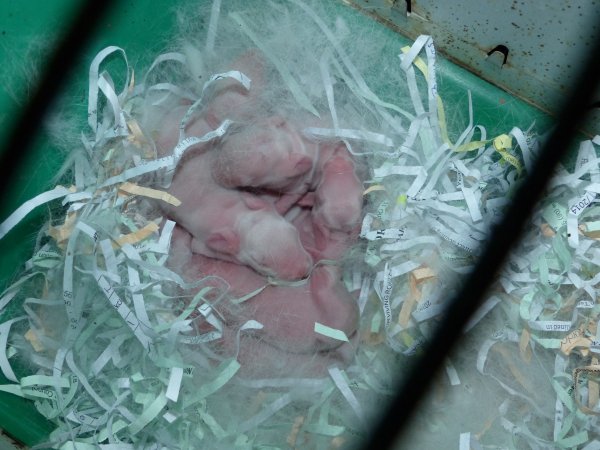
(134, 327)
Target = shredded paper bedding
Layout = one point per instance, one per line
(123, 343)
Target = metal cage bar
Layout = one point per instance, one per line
(60, 63)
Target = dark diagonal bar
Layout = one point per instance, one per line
(502, 239)
(55, 74)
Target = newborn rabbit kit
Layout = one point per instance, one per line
(258, 231)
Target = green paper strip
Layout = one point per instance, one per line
(149, 414)
(209, 388)
(333, 333)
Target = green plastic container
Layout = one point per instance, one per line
(142, 28)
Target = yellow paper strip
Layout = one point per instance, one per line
(409, 304)
(573, 340)
(62, 232)
(293, 436)
(591, 370)
(139, 235)
(377, 187)
(34, 341)
(418, 62)
(134, 189)
(524, 346)
(422, 66)
(511, 160)
(503, 142)
(137, 137)
(422, 274)
(593, 389)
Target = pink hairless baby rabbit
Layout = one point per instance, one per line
(233, 225)
(288, 313)
(265, 200)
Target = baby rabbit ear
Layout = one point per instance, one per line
(224, 241)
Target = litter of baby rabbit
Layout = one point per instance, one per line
(257, 233)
